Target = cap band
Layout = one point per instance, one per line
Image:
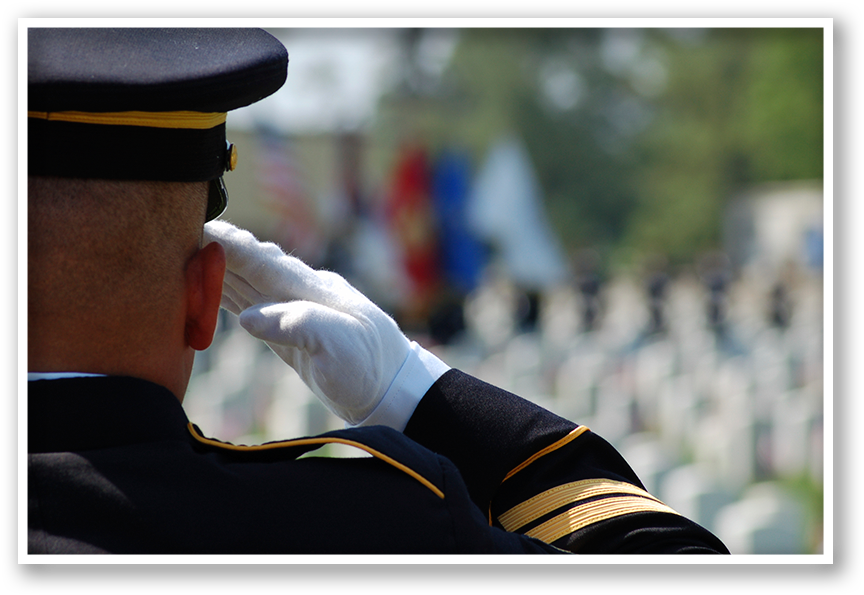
(182, 119)
(70, 149)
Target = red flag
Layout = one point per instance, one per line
(413, 225)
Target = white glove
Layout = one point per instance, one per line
(346, 349)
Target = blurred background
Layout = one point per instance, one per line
(622, 225)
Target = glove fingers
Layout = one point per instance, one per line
(262, 265)
(229, 304)
(268, 274)
(243, 294)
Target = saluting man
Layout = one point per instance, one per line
(127, 149)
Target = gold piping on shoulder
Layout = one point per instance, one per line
(575, 433)
(318, 440)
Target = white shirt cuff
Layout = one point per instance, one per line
(420, 370)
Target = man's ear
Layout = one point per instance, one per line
(204, 274)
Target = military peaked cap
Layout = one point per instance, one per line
(144, 104)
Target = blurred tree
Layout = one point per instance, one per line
(741, 106)
(578, 119)
(783, 128)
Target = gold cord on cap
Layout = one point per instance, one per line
(179, 119)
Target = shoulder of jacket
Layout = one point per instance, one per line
(380, 442)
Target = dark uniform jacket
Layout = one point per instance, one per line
(114, 466)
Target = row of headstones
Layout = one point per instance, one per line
(748, 418)
(492, 311)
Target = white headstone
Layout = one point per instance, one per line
(696, 493)
(766, 520)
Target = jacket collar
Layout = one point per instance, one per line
(74, 414)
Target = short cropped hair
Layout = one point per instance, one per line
(111, 245)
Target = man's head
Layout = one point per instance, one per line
(127, 149)
(110, 264)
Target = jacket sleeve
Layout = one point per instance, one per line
(535, 473)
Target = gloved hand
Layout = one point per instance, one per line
(347, 350)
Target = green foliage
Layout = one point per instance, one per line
(630, 167)
(744, 106)
(783, 119)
